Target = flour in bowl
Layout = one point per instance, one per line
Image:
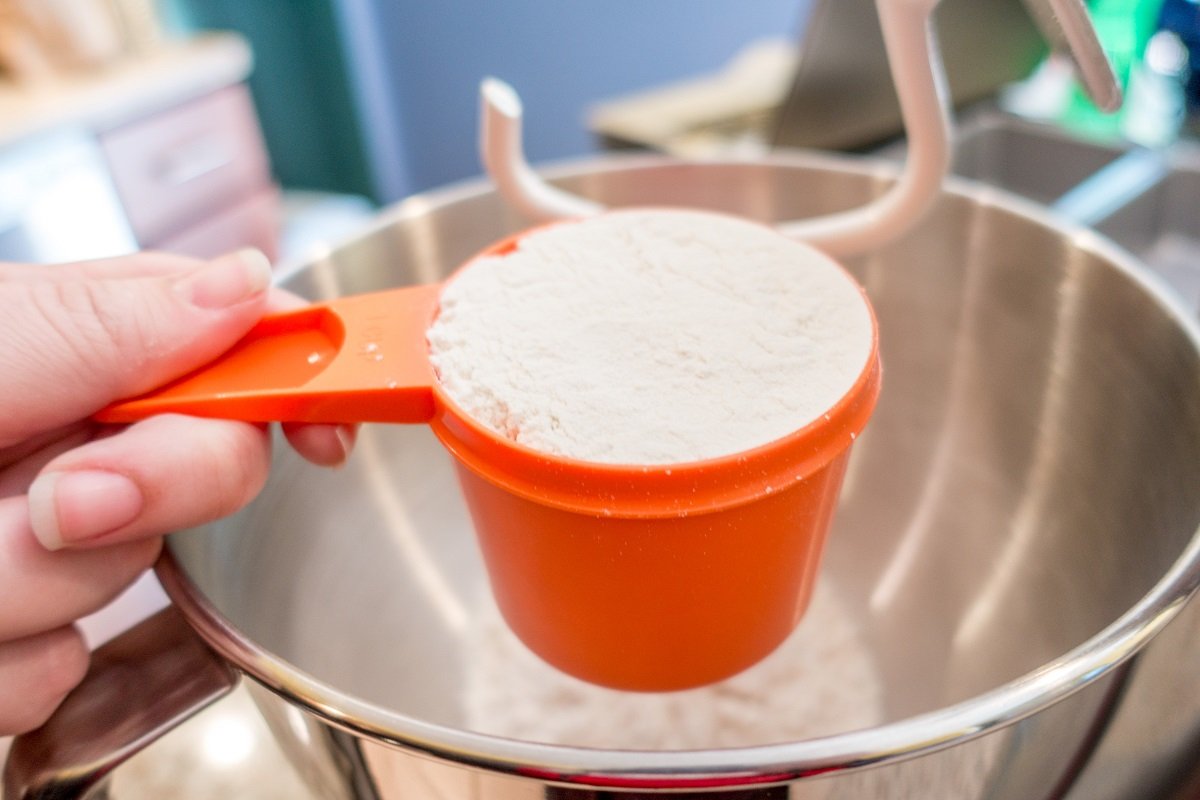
(821, 681)
(650, 337)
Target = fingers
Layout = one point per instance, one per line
(71, 538)
(31, 454)
(323, 445)
(283, 300)
(163, 474)
(36, 673)
(135, 265)
(76, 344)
(42, 590)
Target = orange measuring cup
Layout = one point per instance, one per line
(649, 578)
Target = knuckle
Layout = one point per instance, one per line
(191, 470)
(252, 460)
(64, 662)
(236, 456)
(56, 662)
(84, 323)
(76, 314)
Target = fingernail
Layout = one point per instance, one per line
(70, 507)
(228, 280)
(345, 437)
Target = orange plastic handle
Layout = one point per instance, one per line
(355, 359)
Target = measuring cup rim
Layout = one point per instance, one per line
(639, 491)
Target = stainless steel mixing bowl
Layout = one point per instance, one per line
(1017, 537)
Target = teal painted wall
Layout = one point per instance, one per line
(379, 97)
(300, 87)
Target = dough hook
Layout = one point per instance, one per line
(920, 85)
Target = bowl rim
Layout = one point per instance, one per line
(757, 765)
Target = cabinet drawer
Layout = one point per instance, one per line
(186, 163)
(253, 222)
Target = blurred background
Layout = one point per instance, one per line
(198, 125)
(353, 103)
(379, 97)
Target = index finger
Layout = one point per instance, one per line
(146, 264)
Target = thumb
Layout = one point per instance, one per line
(74, 342)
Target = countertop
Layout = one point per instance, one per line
(131, 88)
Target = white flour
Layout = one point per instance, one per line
(822, 680)
(650, 337)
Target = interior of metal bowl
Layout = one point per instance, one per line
(1028, 477)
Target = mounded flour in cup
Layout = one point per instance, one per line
(650, 337)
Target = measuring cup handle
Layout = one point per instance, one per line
(361, 358)
(140, 685)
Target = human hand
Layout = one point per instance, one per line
(83, 506)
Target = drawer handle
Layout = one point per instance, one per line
(193, 163)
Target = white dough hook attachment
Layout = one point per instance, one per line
(916, 69)
(920, 85)
(504, 159)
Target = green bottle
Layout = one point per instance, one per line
(1124, 27)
